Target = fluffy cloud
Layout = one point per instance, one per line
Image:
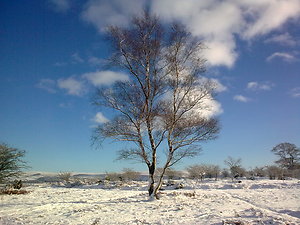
(209, 108)
(105, 12)
(214, 21)
(61, 5)
(72, 86)
(218, 23)
(104, 77)
(78, 85)
(263, 16)
(241, 98)
(295, 92)
(256, 86)
(216, 84)
(287, 57)
(100, 118)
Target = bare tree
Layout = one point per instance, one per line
(11, 163)
(289, 155)
(162, 105)
(235, 167)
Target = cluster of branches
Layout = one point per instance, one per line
(162, 100)
(11, 163)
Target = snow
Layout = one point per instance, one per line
(207, 202)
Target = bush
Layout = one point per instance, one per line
(129, 174)
(275, 172)
(113, 177)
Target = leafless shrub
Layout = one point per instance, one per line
(129, 174)
(113, 177)
(275, 172)
(65, 176)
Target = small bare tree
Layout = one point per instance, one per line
(235, 167)
(162, 105)
(65, 176)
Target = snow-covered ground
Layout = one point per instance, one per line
(207, 202)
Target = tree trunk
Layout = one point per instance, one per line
(151, 179)
(160, 180)
(158, 185)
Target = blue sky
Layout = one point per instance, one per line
(52, 55)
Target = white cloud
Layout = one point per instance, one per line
(287, 57)
(48, 85)
(209, 108)
(105, 12)
(100, 118)
(283, 39)
(214, 21)
(256, 86)
(267, 15)
(61, 5)
(72, 86)
(220, 53)
(241, 98)
(218, 23)
(217, 85)
(107, 77)
(295, 92)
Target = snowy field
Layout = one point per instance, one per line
(207, 202)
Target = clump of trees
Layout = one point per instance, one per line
(127, 175)
(11, 163)
(164, 103)
(170, 173)
(288, 162)
(130, 174)
(203, 171)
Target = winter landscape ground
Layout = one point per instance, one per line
(258, 201)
